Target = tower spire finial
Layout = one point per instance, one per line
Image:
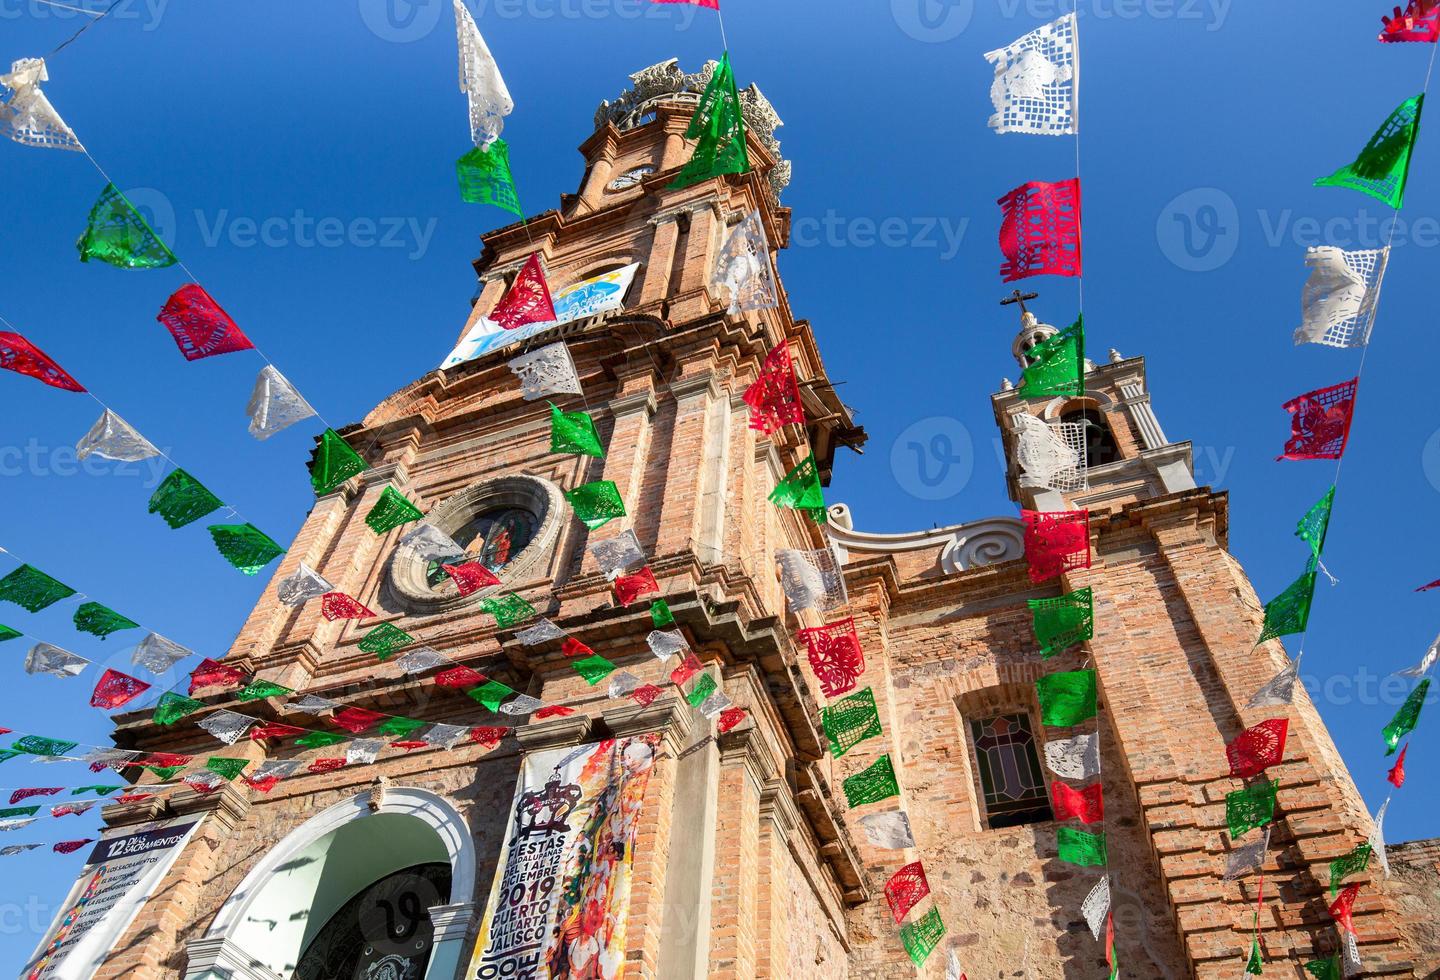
(1019, 297)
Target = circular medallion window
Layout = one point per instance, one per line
(507, 524)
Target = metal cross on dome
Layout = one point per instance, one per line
(1019, 297)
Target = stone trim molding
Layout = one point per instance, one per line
(218, 956)
(989, 541)
(452, 921)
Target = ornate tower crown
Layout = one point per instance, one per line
(1032, 332)
(554, 804)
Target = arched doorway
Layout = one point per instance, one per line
(355, 892)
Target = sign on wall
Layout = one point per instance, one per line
(575, 302)
(119, 875)
(558, 905)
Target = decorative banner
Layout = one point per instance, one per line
(1086, 805)
(1096, 907)
(334, 463)
(922, 936)
(1406, 718)
(800, 490)
(1343, 908)
(1037, 81)
(719, 125)
(119, 876)
(811, 579)
(421, 659)
(660, 614)
(1249, 808)
(484, 175)
(259, 690)
(1320, 422)
(1040, 230)
(275, 404)
(1064, 621)
(1257, 748)
(1254, 965)
(729, 719)
(1419, 22)
(528, 298)
(480, 80)
(228, 726)
(665, 645)
(119, 236)
(542, 632)
(115, 690)
(1056, 365)
(385, 640)
(1082, 848)
(1289, 612)
(1315, 525)
(850, 721)
(598, 294)
(31, 589)
(596, 504)
(1249, 857)
(212, 673)
(114, 438)
(428, 543)
(594, 669)
(27, 117)
(1396, 776)
(1383, 166)
(1066, 698)
(356, 720)
(6, 633)
(774, 396)
(470, 577)
(99, 620)
(459, 676)
(1337, 306)
(742, 268)
(559, 903)
(628, 588)
(707, 4)
(198, 324)
(1377, 838)
(244, 546)
(688, 668)
(508, 610)
(617, 555)
(1426, 662)
(889, 831)
(546, 371)
(1053, 454)
(1348, 864)
(835, 656)
(1074, 758)
(46, 658)
(574, 433)
(173, 706)
(181, 499)
(521, 704)
(301, 587)
(19, 355)
(905, 889)
(1056, 542)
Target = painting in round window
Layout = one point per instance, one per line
(493, 538)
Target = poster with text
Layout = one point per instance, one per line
(575, 302)
(121, 872)
(561, 893)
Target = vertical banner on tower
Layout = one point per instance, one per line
(119, 876)
(558, 906)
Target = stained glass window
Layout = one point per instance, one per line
(1010, 773)
(493, 538)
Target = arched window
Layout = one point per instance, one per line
(384, 931)
(1100, 446)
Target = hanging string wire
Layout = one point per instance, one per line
(85, 27)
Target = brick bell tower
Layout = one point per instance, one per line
(744, 865)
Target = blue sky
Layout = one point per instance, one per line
(1203, 123)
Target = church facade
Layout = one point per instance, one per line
(747, 860)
